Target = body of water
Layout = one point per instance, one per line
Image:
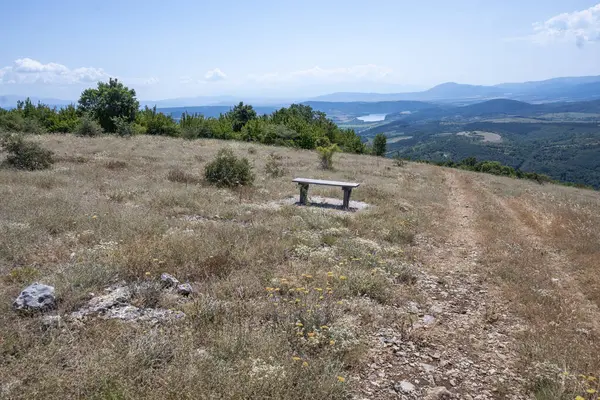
(372, 117)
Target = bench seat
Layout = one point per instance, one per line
(305, 182)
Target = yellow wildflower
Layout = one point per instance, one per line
(305, 364)
(318, 289)
(591, 391)
(299, 324)
(295, 358)
(311, 334)
(94, 216)
(343, 277)
(331, 342)
(324, 327)
(321, 297)
(147, 273)
(579, 398)
(342, 379)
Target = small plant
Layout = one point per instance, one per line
(227, 170)
(88, 127)
(273, 167)
(179, 175)
(326, 155)
(26, 155)
(399, 162)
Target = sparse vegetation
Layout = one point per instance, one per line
(292, 302)
(179, 175)
(274, 167)
(25, 154)
(228, 170)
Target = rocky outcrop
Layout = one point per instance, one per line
(36, 297)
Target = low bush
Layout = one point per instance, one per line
(23, 154)
(88, 127)
(227, 170)
(179, 175)
(125, 128)
(326, 155)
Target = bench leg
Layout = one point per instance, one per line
(303, 193)
(347, 192)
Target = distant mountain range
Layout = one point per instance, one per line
(551, 90)
(557, 89)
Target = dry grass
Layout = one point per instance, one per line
(542, 249)
(286, 297)
(114, 209)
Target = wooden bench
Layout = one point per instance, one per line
(346, 187)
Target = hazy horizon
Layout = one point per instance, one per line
(280, 51)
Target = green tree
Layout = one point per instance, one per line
(379, 144)
(240, 115)
(110, 100)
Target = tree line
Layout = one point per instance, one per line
(112, 108)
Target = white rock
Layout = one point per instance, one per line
(184, 289)
(405, 387)
(36, 297)
(169, 280)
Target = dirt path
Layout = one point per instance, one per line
(461, 337)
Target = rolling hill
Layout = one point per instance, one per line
(442, 283)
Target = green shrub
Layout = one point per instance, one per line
(88, 127)
(12, 122)
(125, 128)
(26, 155)
(326, 155)
(227, 170)
(157, 123)
(379, 145)
(33, 126)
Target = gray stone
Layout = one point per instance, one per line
(168, 280)
(36, 297)
(51, 321)
(438, 393)
(184, 289)
(119, 296)
(405, 387)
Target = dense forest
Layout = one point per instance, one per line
(112, 108)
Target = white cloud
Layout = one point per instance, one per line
(580, 27)
(27, 70)
(214, 75)
(357, 73)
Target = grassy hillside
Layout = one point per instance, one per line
(484, 285)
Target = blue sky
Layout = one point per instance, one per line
(260, 48)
